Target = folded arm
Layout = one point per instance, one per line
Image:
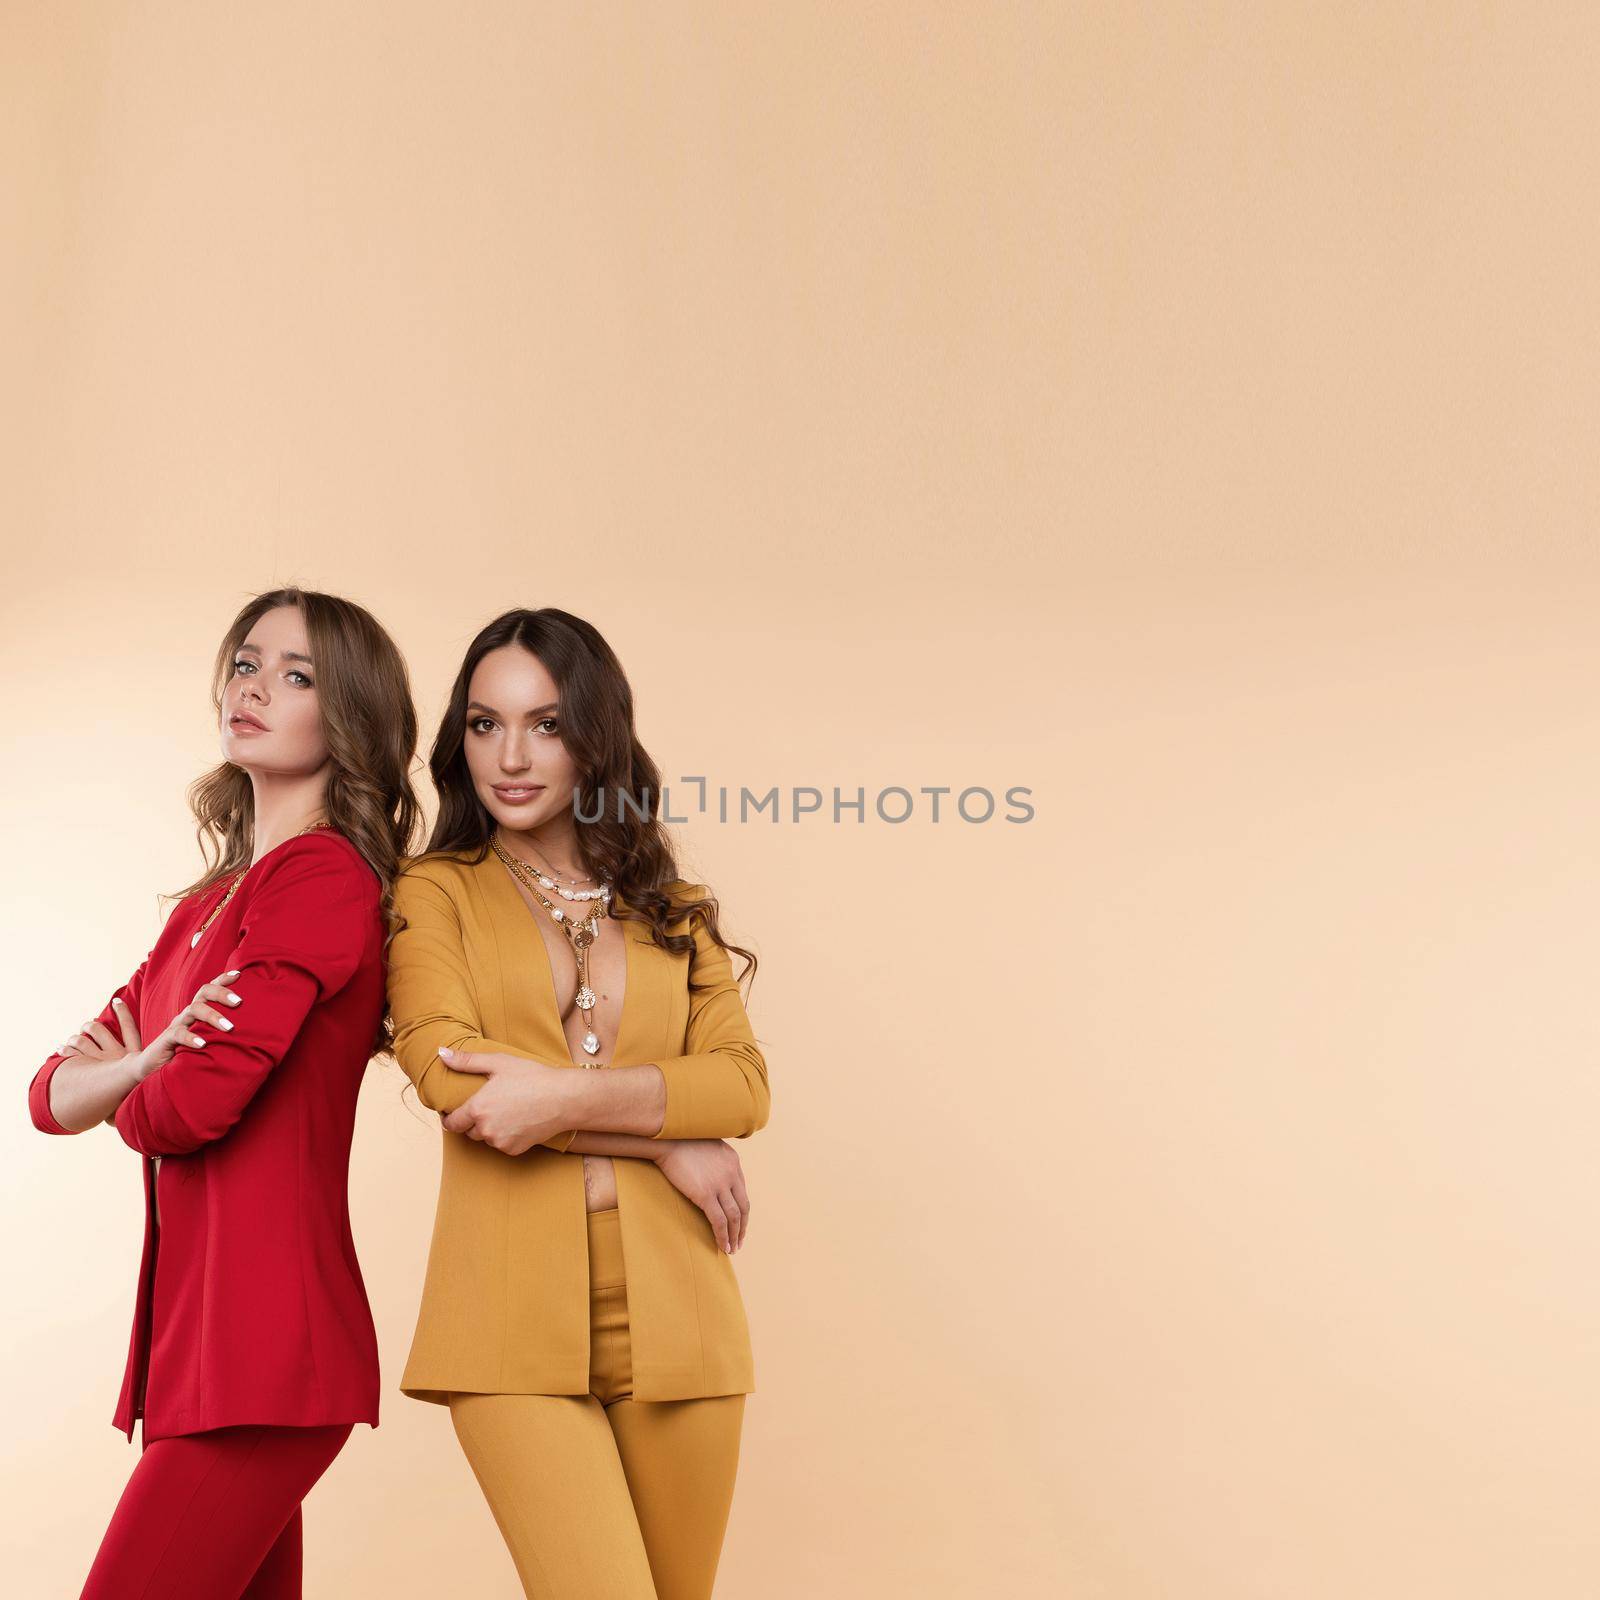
(69, 1095)
(432, 1001)
(640, 1146)
(716, 1090)
(304, 933)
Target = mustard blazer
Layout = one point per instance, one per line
(505, 1303)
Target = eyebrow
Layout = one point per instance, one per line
(538, 711)
(288, 655)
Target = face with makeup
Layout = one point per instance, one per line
(520, 769)
(270, 722)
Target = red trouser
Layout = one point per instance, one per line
(214, 1516)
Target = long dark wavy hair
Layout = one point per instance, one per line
(617, 782)
(369, 724)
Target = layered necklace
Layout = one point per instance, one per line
(232, 887)
(581, 932)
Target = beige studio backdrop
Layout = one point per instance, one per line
(1184, 412)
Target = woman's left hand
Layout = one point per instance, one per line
(98, 1043)
(521, 1104)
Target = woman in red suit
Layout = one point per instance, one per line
(231, 1061)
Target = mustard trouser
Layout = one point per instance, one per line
(600, 1495)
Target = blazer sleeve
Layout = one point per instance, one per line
(302, 937)
(39, 1089)
(718, 1089)
(432, 1001)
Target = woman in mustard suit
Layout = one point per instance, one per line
(580, 1317)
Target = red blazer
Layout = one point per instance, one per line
(251, 1306)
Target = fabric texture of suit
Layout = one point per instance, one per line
(505, 1303)
(251, 1306)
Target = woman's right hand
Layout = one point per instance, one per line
(161, 1049)
(709, 1172)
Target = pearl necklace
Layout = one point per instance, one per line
(580, 934)
(566, 894)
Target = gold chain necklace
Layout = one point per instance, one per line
(580, 935)
(232, 887)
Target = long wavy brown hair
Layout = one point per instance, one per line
(617, 783)
(369, 724)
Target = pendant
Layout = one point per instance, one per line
(584, 999)
(590, 1042)
(196, 939)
